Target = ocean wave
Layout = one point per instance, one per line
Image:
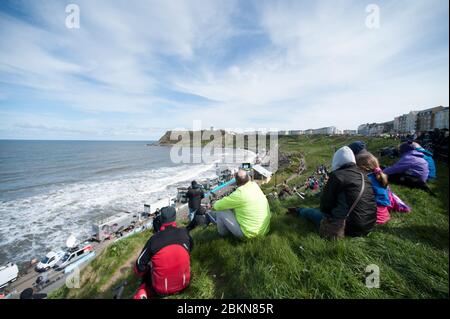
(30, 226)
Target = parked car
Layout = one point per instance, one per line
(8, 274)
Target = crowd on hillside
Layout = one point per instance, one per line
(354, 196)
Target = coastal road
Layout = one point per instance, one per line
(57, 279)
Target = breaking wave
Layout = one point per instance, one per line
(30, 226)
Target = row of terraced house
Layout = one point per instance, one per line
(412, 122)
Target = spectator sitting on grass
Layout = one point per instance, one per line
(164, 263)
(411, 170)
(428, 156)
(343, 191)
(245, 212)
(357, 147)
(386, 200)
(199, 219)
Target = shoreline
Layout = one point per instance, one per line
(27, 276)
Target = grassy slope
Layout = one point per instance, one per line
(294, 262)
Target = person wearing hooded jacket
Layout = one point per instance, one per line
(164, 263)
(339, 194)
(428, 156)
(411, 170)
(194, 195)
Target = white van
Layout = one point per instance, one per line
(8, 274)
(73, 255)
(49, 261)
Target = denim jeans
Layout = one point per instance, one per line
(312, 214)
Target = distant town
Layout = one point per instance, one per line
(412, 122)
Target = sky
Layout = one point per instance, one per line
(134, 69)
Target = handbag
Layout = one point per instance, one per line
(333, 228)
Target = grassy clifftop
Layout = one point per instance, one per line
(293, 261)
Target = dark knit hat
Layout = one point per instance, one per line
(357, 147)
(168, 214)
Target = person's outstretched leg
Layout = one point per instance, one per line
(410, 181)
(311, 214)
(227, 223)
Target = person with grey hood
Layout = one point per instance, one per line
(347, 200)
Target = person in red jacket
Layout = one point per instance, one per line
(164, 263)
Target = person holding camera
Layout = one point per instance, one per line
(245, 212)
(194, 195)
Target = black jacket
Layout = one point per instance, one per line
(339, 194)
(195, 196)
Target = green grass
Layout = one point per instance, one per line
(292, 261)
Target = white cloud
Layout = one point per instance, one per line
(320, 65)
(324, 60)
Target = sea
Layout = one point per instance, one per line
(52, 189)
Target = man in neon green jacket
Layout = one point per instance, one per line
(244, 213)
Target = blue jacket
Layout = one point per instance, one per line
(381, 193)
(428, 156)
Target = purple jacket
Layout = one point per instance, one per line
(410, 163)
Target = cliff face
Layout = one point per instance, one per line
(165, 139)
(221, 138)
(181, 137)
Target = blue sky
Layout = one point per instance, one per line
(135, 69)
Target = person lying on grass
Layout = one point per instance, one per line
(347, 202)
(386, 200)
(243, 213)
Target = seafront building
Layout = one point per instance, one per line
(412, 122)
(441, 119)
